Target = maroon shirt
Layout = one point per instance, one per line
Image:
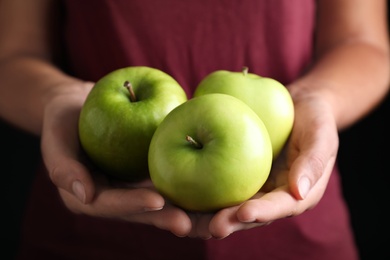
(187, 39)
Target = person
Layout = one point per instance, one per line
(332, 55)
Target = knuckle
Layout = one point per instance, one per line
(55, 175)
(317, 166)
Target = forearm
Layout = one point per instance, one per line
(27, 84)
(353, 77)
(28, 79)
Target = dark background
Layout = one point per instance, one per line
(363, 160)
(363, 157)
(18, 160)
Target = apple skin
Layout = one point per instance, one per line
(266, 96)
(114, 131)
(232, 164)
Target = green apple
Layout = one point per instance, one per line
(209, 153)
(266, 96)
(120, 115)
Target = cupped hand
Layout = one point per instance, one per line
(296, 184)
(85, 191)
(297, 181)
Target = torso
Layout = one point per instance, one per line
(188, 40)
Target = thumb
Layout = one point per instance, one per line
(61, 151)
(72, 176)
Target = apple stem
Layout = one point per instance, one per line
(193, 142)
(128, 85)
(245, 70)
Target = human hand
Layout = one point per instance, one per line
(297, 181)
(85, 191)
(310, 152)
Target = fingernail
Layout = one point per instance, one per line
(78, 190)
(206, 237)
(152, 209)
(223, 237)
(304, 186)
(247, 220)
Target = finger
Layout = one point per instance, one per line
(129, 205)
(279, 203)
(116, 203)
(60, 150)
(314, 158)
(146, 183)
(226, 222)
(306, 171)
(170, 218)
